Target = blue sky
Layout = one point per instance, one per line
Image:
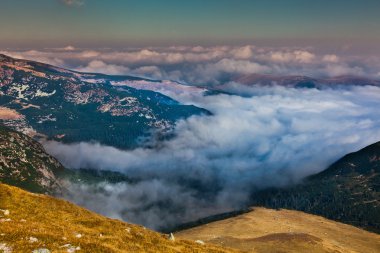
(119, 23)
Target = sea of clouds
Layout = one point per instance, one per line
(271, 136)
(206, 65)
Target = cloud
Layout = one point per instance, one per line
(300, 56)
(68, 48)
(208, 65)
(330, 58)
(73, 2)
(101, 67)
(243, 52)
(271, 136)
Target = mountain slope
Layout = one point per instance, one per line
(265, 230)
(70, 106)
(348, 191)
(29, 222)
(24, 163)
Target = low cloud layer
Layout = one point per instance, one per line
(272, 136)
(206, 65)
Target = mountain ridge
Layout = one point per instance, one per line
(71, 107)
(24, 163)
(300, 81)
(347, 191)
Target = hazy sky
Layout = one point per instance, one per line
(122, 23)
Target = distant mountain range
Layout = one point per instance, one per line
(55, 103)
(304, 81)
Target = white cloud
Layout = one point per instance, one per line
(208, 65)
(330, 58)
(300, 56)
(69, 48)
(101, 67)
(342, 69)
(242, 52)
(272, 136)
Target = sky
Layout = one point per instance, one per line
(128, 23)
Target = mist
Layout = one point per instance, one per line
(256, 138)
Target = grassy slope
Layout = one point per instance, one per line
(56, 223)
(267, 230)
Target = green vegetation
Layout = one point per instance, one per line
(24, 163)
(74, 107)
(348, 191)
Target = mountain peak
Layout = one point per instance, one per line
(5, 58)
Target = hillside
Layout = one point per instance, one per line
(24, 163)
(304, 81)
(271, 231)
(69, 106)
(30, 222)
(347, 191)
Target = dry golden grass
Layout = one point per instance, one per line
(266, 230)
(61, 226)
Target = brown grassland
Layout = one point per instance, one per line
(268, 230)
(42, 222)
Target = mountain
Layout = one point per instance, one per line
(24, 163)
(304, 81)
(347, 191)
(32, 222)
(284, 231)
(68, 106)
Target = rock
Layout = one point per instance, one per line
(33, 239)
(78, 236)
(200, 242)
(70, 248)
(41, 251)
(171, 237)
(5, 249)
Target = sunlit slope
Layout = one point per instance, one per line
(267, 230)
(29, 222)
